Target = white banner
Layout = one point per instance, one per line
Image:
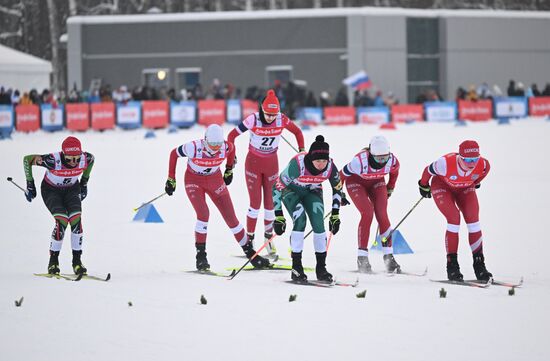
(510, 107)
(6, 117)
(52, 117)
(183, 112)
(128, 115)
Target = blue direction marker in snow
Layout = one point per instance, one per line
(148, 214)
(150, 134)
(460, 123)
(503, 121)
(400, 245)
(172, 129)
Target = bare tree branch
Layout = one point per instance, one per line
(9, 11)
(6, 35)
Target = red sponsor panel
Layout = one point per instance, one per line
(339, 115)
(103, 115)
(539, 106)
(248, 107)
(27, 118)
(477, 111)
(155, 113)
(404, 113)
(78, 116)
(211, 112)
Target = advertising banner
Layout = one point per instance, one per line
(404, 113)
(440, 111)
(248, 107)
(340, 115)
(27, 118)
(6, 117)
(128, 115)
(539, 106)
(102, 115)
(78, 116)
(155, 113)
(477, 111)
(183, 114)
(373, 115)
(309, 116)
(234, 114)
(510, 107)
(211, 112)
(52, 117)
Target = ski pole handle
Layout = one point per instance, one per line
(151, 201)
(10, 179)
(253, 256)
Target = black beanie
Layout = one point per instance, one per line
(318, 149)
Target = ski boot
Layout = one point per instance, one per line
(53, 265)
(258, 261)
(250, 238)
(363, 264)
(453, 269)
(271, 249)
(202, 262)
(297, 275)
(78, 267)
(321, 269)
(479, 268)
(391, 264)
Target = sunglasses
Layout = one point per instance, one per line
(470, 160)
(381, 158)
(215, 145)
(72, 158)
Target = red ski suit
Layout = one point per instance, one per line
(202, 177)
(454, 191)
(262, 164)
(369, 192)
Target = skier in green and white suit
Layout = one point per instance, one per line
(299, 187)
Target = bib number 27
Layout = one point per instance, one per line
(268, 141)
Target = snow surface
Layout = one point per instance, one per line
(250, 317)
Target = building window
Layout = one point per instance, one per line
(156, 78)
(187, 78)
(422, 57)
(278, 73)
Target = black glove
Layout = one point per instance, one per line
(344, 201)
(389, 190)
(31, 191)
(425, 190)
(170, 186)
(279, 224)
(228, 176)
(83, 188)
(334, 221)
(478, 185)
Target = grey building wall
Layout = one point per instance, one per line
(495, 50)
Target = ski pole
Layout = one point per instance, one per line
(328, 242)
(151, 201)
(385, 239)
(325, 217)
(253, 256)
(10, 179)
(296, 150)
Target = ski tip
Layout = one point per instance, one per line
(79, 277)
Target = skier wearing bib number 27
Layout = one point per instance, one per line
(456, 176)
(367, 188)
(203, 177)
(262, 164)
(299, 188)
(63, 193)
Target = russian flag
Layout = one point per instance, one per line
(358, 81)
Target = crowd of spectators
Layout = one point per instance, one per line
(291, 95)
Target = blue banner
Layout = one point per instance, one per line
(128, 115)
(309, 115)
(52, 117)
(234, 111)
(510, 107)
(440, 111)
(183, 114)
(373, 115)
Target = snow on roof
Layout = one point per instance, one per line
(302, 13)
(14, 60)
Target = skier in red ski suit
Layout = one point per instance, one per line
(203, 177)
(262, 164)
(456, 176)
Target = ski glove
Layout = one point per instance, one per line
(300, 150)
(425, 190)
(279, 224)
(334, 221)
(390, 191)
(83, 188)
(31, 191)
(228, 176)
(170, 187)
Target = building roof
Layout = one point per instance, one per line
(16, 61)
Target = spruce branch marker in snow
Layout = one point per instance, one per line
(19, 302)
